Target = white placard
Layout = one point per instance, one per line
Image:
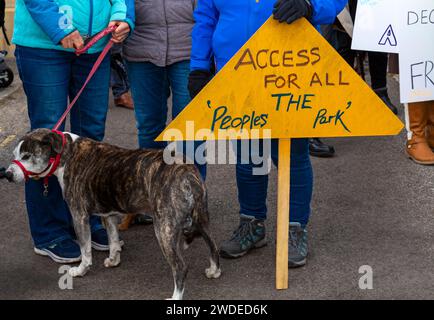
(416, 54)
(375, 25)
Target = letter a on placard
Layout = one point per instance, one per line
(295, 85)
(388, 37)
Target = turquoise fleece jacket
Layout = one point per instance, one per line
(44, 23)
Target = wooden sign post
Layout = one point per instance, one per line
(283, 195)
(285, 82)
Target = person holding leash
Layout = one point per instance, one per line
(158, 63)
(222, 27)
(46, 34)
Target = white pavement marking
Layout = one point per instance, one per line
(7, 140)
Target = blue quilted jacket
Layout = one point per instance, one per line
(223, 26)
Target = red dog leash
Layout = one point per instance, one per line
(94, 39)
(55, 161)
(95, 67)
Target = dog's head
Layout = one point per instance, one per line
(34, 152)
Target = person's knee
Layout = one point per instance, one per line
(244, 170)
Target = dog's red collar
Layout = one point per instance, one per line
(52, 166)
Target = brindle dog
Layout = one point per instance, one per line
(97, 178)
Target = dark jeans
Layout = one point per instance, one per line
(49, 77)
(118, 76)
(377, 61)
(252, 189)
(150, 87)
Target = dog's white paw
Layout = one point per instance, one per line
(79, 271)
(213, 272)
(112, 262)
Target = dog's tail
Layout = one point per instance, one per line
(200, 212)
(199, 218)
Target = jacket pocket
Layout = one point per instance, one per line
(149, 12)
(179, 11)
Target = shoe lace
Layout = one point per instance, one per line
(243, 230)
(64, 244)
(293, 238)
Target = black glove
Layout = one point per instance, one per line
(197, 80)
(290, 10)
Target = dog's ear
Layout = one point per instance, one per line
(55, 141)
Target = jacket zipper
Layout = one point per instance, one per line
(167, 30)
(89, 31)
(252, 8)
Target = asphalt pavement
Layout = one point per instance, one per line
(372, 207)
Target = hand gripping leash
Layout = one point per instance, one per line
(89, 44)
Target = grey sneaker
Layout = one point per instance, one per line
(249, 235)
(298, 249)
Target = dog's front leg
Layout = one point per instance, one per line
(115, 247)
(82, 230)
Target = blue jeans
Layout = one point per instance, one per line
(252, 189)
(150, 87)
(49, 77)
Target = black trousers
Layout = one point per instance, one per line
(377, 60)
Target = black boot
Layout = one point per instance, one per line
(382, 93)
(143, 219)
(318, 149)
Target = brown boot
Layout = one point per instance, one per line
(430, 126)
(125, 101)
(417, 147)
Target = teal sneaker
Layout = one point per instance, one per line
(64, 251)
(249, 235)
(298, 248)
(100, 241)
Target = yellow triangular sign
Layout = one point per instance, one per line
(285, 82)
